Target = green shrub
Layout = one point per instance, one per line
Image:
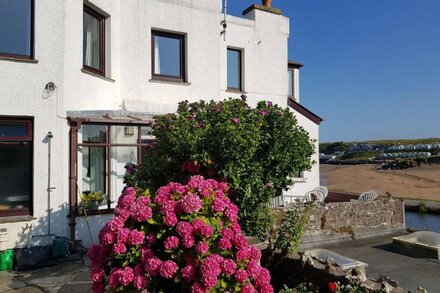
(256, 150)
(291, 229)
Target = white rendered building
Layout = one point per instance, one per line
(79, 81)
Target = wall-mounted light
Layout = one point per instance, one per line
(129, 130)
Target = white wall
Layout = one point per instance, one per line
(22, 86)
(311, 178)
(58, 40)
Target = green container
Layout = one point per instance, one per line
(6, 260)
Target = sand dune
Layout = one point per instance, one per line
(417, 183)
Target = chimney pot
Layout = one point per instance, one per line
(267, 3)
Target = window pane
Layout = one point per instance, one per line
(290, 83)
(93, 169)
(15, 176)
(124, 134)
(92, 41)
(15, 27)
(120, 156)
(234, 70)
(146, 134)
(13, 130)
(167, 56)
(94, 133)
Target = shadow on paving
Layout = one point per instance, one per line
(65, 277)
(383, 258)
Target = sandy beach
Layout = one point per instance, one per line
(416, 183)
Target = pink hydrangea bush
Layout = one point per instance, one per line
(186, 238)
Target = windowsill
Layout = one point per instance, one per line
(20, 60)
(170, 82)
(95, 213)
(97, 75)
(235, 91)
(16, 219)
(299, 180)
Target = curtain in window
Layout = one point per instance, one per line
(93, 169)
(92, 41)
(156, 57)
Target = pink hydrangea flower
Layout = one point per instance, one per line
(206, 231)
(171, 242)
(168, 269)
(189, 273)
(126, 276)
(97, 275)
(136, 237)
(141, 213)
(195, 181)
(202, 247)
(228, 267)
(224, 244)
(119, 248)
(127, 198)
(248, 289)
(184, 228)
(152, 266)
(140, 282)
(170, 219)
(198, 288)
(209, 281)
(191, 203)
(243, 254)
(241, 276)
(231, 212)
(240, 241)
(188, 241)
(227, 233)
(123, 235)
(219, 205)
(114, 277)
(253, 270)
(263, 278)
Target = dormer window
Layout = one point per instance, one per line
(293, 78)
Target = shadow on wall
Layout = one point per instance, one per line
(38, 234)
(41, 232)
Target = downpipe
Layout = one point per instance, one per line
(49, 137)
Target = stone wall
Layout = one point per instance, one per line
(338, 221)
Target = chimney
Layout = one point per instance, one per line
(267, 3)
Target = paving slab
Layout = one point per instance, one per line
(382, 258)
(65, 277)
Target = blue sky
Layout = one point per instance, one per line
(372, 67)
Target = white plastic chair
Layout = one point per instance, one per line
(313, 195)
(370, 195)
(323, 189)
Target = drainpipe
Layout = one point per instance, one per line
(223, 22)
(49, 137)
(73, 177)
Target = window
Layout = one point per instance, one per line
(168, 56)
(300, 175)
(93, 41)
(103, 151)
(16, 28)
(15, 166)
(291, 82)
(234, 70)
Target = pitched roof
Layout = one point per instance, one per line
(304, 111)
